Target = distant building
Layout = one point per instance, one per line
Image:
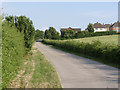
(98, 27)
(115, 26)
(74, 29)
(107, 26)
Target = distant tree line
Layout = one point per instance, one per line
(52, 33)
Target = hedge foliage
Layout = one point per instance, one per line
(24, 25)
(105, 52)
(17, 40)
(13, 51)
(82, 34)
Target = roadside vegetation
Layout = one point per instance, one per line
(39, 35)
(0, 51)
(13, 51)
(17, 40)
(36, 72)
(92, 47)
(22, 65)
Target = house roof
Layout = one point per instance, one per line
(116, 24)
(75, 29)
(107, 25)
(98, 25)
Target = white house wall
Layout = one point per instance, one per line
(100, 29)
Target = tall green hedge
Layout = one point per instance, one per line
(13, 51)
(17, 40)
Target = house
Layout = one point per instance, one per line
(98, 27)
(107, 26)
(74, 29)
(115, 26)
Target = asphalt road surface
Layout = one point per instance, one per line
(78, 72)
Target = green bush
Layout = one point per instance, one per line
(68, 34)
(106, 53)
(83, 34)
(13, 51)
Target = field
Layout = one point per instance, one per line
(104, 49)
(110, 39)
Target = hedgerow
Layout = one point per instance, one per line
(104, 52)
(82, 34)
(13, 51)
(17, 40)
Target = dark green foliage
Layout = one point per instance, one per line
(39, 34)
(10, 20)
(51, 34)
(13, 51)
(47, 34)
(103, 33)
(82, 34)
(68, 34)
(24, 25)
(90, 27)
(104, 52)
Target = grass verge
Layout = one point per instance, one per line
(36, 72)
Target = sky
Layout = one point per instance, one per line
(63, 14)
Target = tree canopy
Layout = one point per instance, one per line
(51, 33)
(90, 27)
(39, 34)
(25, 26)
(68, 34)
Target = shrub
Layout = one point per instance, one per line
(68, 34)
(82, 34)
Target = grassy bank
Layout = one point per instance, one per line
(99, 50)
(37, 72)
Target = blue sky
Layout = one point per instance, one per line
(64, 14)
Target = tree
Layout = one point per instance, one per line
(51, 33)
(47, 34)
(90, 27)
(54, 33)
(38, 34)
(10, 20)
(25, 26)
(68, 34)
